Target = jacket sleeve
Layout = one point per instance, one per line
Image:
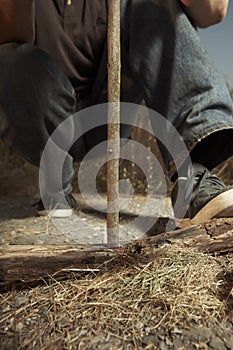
(17, 20)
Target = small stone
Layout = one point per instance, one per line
(34, 318)
(7, 308)
(130, 347)
(149, 340)
(168, 342)
(217, 344)
(19, 327)
(43, 311)
(21, 300)
(177, 342)
(176, 331)
(161, 337)
(83, 332)
(163, 346)
(229, 342)
(81, 345)
(201, 346)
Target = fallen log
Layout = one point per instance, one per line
(27, 264)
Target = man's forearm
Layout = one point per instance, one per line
(205, 13)
(17, 20)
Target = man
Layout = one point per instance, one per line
(53, 63)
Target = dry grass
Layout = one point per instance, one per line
(172, 288)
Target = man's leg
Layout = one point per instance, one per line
(35, 97)
(177, 79)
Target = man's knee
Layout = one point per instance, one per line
(29, 69)
(18, 60)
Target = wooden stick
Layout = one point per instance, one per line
(113, 151)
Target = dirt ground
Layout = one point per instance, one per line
(50, 316)
(173, 299)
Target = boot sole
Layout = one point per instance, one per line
(56, 213)
(220, 206)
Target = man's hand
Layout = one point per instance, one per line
(17, 20)
(205, 13)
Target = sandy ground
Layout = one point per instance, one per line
(19, 223)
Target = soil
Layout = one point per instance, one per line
(26, 322)
(20, 225)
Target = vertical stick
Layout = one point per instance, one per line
(113, 151)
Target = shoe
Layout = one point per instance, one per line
(57, 206)
(203, 196)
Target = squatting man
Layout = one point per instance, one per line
(53, 64)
